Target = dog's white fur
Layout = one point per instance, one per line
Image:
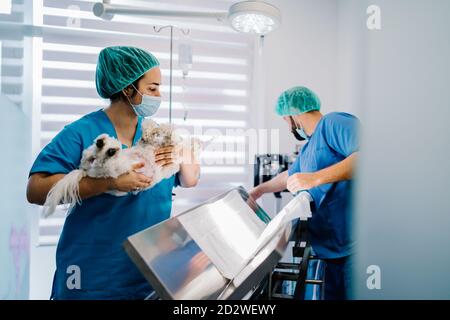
(105, 158)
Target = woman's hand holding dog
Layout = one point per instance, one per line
(165, 156)
(131, 181)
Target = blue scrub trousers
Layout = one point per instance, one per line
(338, 278)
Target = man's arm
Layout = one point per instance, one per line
(340, 171)
(277, 184)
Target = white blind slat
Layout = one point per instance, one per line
(12, 52)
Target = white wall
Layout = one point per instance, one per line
(351, 55)
(303, 51)
(14, 226)
(42, 268)
(404, 176)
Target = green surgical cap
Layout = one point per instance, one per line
(118, 67)
(297, 100)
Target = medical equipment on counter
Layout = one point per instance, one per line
(225, 248)
(267, 167)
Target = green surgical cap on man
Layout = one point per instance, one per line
(297, 100)
(118, 67)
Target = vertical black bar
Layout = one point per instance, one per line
(299, 293)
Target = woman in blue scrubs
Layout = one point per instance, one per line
(325, 168)
(90, 260)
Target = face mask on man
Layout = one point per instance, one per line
(148, 106)
(299, 133)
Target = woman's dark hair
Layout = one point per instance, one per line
(120, 96)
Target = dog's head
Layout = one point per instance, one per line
(148, 129)
(103, 149)
(106, 147)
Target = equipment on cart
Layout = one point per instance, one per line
(302, 277)
(224, 248)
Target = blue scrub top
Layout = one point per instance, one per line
(94, 232)
(334, 139)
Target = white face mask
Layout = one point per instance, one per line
(148, 106)
(299, 133)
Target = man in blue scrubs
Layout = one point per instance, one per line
(325, 168)
(90, 260)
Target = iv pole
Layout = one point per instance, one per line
(185, 32)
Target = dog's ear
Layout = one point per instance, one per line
(100, 143)
(111, 152)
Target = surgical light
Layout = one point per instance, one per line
(255, 17)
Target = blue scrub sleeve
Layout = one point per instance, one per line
(341, 134)
(61, 155)
(294, 167)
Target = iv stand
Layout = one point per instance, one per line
(185, 32)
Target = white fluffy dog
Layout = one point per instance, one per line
(105, 158)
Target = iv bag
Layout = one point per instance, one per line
(185, 55)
